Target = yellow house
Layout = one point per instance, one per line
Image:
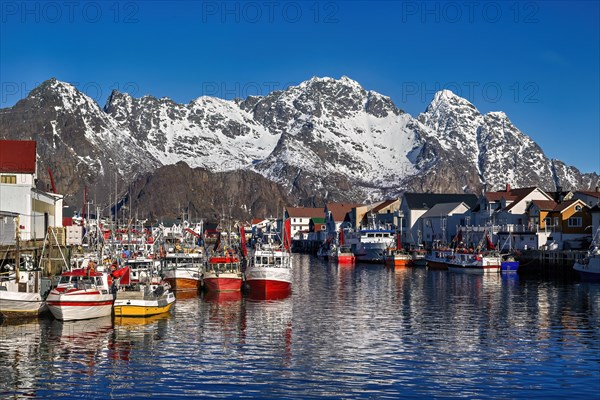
(573, 217)
(569, 217)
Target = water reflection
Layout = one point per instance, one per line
(344, 331)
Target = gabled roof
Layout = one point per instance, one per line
(424, 201)
(17, 156)
(383, 204)
(520, 194)
(339, 210)
(510, 194)
(305, 212)
(549, 205)
(544, 205)
(590, 193)
(568, 204)
(443, 209)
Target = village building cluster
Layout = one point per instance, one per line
(521, 218)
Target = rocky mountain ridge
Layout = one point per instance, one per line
(323, 140)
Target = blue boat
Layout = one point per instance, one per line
(509, 264)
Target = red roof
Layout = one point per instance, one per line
(305, 212)
(545, 205)
(17, 156)
(568, 204)
(514, 194)
(339, 210)
(590, 193)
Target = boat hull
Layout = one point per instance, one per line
(474, 269)
(183, 279)
(590, 270)
(267, 280)
(16, 305)
(143, 308)
(267, 286)
(345, 259)
(398, 261)
(431, 264)
(183, 284)
(372, 254)
(78, 306)
(223, 283)
(509, 266)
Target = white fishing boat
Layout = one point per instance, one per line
(373, 244)
(589, 267)
(83, 293)
(474, 262)
(183, 270)
(438, 258)
(23, 291)
(142, 268)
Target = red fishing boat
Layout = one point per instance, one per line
(396, 256)
(342, 253)
(271, 268)
(223, 270)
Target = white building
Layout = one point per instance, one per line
(36, 210)
(441, 222)
(300, 218)
(414, 205)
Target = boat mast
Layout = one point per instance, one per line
(18, 250)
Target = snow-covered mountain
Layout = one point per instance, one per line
(325, 139)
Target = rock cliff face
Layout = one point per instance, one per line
(323, 140)
(198, 192)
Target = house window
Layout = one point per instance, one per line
(322, 227)
(8, 179)
(294, 219)
(555, 221)
(574, 222)
(548, 221)
(577, 207)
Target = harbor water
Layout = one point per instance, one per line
(364, 331)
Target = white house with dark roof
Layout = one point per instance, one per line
(507, 208)
(300, 218)
(591, 198)
(414, 205)
(441, 222)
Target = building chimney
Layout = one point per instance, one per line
(559, 194)
(507, 187)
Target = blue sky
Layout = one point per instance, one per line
(537, 61)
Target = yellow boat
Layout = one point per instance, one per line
(144, 301)
(137, 321)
